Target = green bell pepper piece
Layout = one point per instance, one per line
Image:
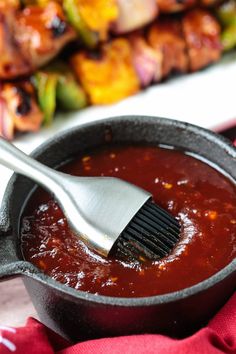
(46, 84)
(226, 13)
(71, 9)
(56, 84)
(228, 37)
(69, 94)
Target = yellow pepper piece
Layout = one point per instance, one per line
(110, 78)
(98, 14)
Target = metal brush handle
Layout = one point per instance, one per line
(97, 208)
(16, 160)
(100, 209)
(57, 183)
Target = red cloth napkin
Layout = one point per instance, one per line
(218, 337)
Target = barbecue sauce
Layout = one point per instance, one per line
(202, 198)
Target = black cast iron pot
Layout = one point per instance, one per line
(78, 315)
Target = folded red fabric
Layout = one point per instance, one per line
(218, 337)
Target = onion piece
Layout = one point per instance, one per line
(134, 14)
(147, 61)
(6, 122)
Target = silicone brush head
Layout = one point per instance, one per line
(150, 235)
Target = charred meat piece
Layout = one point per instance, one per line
(30, 38)
(147, 61)
(18, 109)
(109, 76)
(202, 36)
(166, 38)
(12, 61)
(42, 32)
(175, 5)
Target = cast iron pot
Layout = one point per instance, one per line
(78, 315)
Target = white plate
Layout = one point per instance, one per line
(206, 98)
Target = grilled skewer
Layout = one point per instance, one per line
(185, 44)
(33, 36)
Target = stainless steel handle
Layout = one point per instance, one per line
(16, 160)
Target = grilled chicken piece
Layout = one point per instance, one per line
(109, 76)
(202, 35)
(12, 62)
(30, 38)
(175, 5)
(166, 38)
(42, 32)
(18, 109)
(147, 61)
(134, 14)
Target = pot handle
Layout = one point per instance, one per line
(10, 265)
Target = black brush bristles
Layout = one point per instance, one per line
(150, 235)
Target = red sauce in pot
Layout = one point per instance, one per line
(202, 198)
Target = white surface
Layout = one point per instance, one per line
(206, 98)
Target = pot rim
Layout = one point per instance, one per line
(28, 269)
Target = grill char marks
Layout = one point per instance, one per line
(58, 27)
(24, 105)
(31, 37)
(18, 109)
